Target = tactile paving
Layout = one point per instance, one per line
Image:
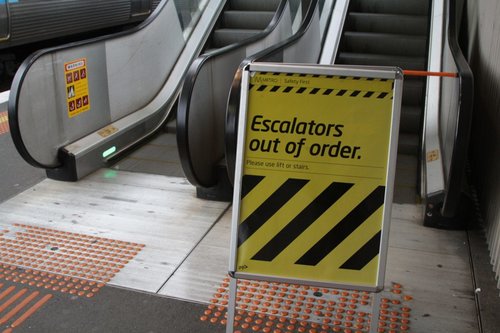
(61, 261)
(18, 304)
(282, 307)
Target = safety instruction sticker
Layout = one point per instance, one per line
(77, 87)
(315, 162)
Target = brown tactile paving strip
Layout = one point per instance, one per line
(65, 253)
(4, 123)
(20, 303)
(51, 260)
(282, 308)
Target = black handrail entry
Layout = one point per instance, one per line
(187, 91)
(233, 105)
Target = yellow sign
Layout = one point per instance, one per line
(315, 162)
(77, 87)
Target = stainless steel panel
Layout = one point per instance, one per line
(132, 84)
(47, 102)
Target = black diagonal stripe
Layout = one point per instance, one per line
(275, 88)
(382, 95)
(302, 221)
(328, 91)
(301, 90)
(248, 184)
(287, 89)
(342, 92)
(262, 88)
(368, 94)
(356, 78)
(314, 91)
(344, 228)
(251, 86)
(355, 93)
(364, 255)
(268, 208)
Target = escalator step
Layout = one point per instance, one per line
(224, 37)
(237, 19)
(384, 43)
(415, 63)
(410, 119)
(257, 5)
(408, 144)
(387, 23)
(413, 90)
(405, 187)
(404, 7)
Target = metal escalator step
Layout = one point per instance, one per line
(238, 19)
(410, 119)
(405, 7)
(387, 23)
(258, 5)
(408, 144)
(384, 43)
(348, 58)
(224, 37)
(405, 187)
(413, 91)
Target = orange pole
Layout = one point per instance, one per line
(424, 73)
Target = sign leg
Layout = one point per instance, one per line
(377, 299)
(231, 305)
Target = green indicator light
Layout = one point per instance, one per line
(109, 151)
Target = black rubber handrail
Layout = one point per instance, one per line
(453, 187)
(233, 106)
(183, 110)
(28, 62)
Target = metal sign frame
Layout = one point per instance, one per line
(388, 73)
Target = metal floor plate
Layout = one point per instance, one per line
(159, 212)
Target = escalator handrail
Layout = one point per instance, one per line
(233, 104)
(28, 63)
(189, 84)
(453, 187)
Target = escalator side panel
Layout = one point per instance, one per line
(125, 60)
(133, 80)
(44, 118)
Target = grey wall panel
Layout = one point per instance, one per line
(484, 54)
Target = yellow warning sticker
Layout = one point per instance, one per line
(314, 177)
(77, 87)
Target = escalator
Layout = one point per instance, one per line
(130, 83)
(211, 118)
(241, 23)
(394, 33)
